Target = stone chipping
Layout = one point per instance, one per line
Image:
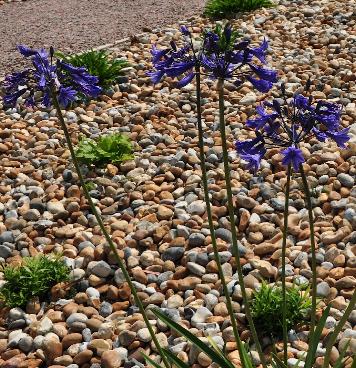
(154, 209)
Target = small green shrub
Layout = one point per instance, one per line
(227, 8)
(111, 148)
(267, 312)
(99, 64)
(34, 277)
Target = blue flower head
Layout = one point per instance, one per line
(286, 125)
(221, 56)
(47, 75)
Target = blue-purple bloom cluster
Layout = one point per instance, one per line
(68, 81)
(221, 56)
(287, 125)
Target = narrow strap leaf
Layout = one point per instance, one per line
(338, 363)
(174, 359)
(245, 358)
(353, 365)
(313, 344)
(277, 362)
(216, 348)
(150, 361)
(195, 340)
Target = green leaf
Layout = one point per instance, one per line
(245, 358)
(339, 362)
(313, 344)
(195, 340)
(277, 362)
(110, 148)
(150, 361)
(353, 365)
(174, 359)
(216, 348)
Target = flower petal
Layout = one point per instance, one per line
(293, 156)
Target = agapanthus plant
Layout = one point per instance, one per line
(45, 74)
(220, 54)
(60, 83)
(286, 124)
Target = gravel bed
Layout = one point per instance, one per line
(77, 25)
(154, 209)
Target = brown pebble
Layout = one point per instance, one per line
(83, 357)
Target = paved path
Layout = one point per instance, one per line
(77, 25)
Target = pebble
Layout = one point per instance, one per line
(45, 326)
(101, 269)
(200, 315)
(323, 289)
(153, 205)
(173, 254)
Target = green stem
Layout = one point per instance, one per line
(210, 216)
(232, 220)
(333, 337)
(312, 245)
(104, 231)
(284, 246)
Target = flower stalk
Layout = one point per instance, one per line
(283, 274)
(210, 216)
(220, 87)
(312, 246)
(103, 229)
(337, 330)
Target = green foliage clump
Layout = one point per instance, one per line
(111, 148)
(227, 8)
(98, 63)
(34, 277)
(267, 308)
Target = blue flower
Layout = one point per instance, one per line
(156, 76)
(221, 56)
(260, 84)
(157, 54)
(10, 99)
(26, 51)
(253, 161)
(45, 77)
(251, 146)
(185, 80)
(185, 30)
(340, 137)
(262, 120)
(260, 51)
(301, 102)
(287, 126)
(265, 74)
(180, 68)
(328, 114)
(66, 95)
(292, 156)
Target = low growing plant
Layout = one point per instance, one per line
(111, 148)
(227, 8)
(267, 306)
(34, 277)
(98, 63)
